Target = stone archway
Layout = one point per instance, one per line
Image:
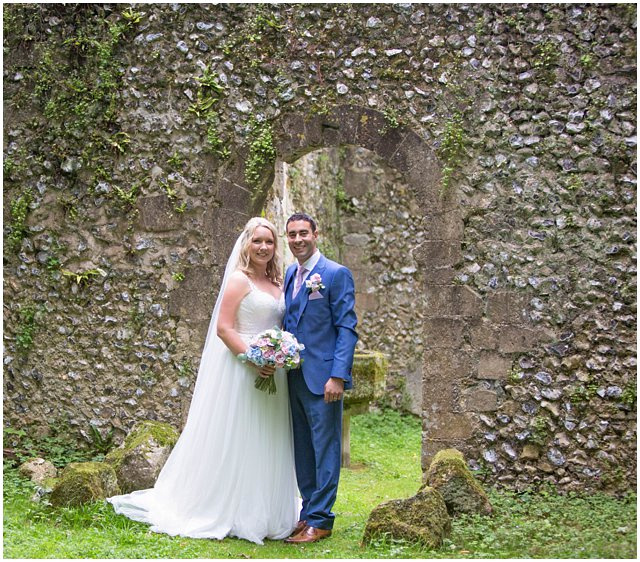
(400, 148)
(455, 327)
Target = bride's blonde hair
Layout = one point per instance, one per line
(274, 267)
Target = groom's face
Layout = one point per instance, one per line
(302, 240)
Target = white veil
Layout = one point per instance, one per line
(213, 345)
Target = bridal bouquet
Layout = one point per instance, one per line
(273, 347)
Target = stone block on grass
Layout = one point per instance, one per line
(369, 374)
(422, 519)
(462, 493)
(84, 482)
(38, 470)
(138, 461)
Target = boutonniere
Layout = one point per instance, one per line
(314, 283)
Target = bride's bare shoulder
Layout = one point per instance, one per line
(239, 277)
(237, 284)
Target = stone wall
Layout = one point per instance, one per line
(138, 140)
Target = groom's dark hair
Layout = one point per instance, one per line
(301, 217)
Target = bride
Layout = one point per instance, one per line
(231, 472)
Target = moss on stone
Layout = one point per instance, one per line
(84, 482)
(368, 373)
(163, 433)
(138, 461)
(422, 518)
(462, 493)
(144, 435)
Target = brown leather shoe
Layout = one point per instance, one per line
(309, 534)
(300, 525)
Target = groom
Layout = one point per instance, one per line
(320, 299)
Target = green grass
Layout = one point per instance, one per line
(385, 452)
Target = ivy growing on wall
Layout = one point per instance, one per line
(262, 153)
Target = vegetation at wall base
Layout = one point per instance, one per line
(385, 456)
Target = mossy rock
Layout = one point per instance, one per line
(368, 373)
(83, 482)
(422, 519)
(141, 457)
(462, 493)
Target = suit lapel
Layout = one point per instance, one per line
(287, 279)
(319, 268)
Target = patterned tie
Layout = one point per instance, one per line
(298, 282)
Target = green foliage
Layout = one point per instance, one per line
(56, 447)
(328, 250)
(84, 277)
(19, 209)
(208, 94)
(75, 80)
(101, 444)
(172, 194)
(547, 525)
(185, 368)
(629, 395)
(452, 148)
(126, 199)
(480, 26)
(27, 327)
(343, 201)
(119, 142)
(515, 375)
(385, 457)
(132, 17)
(82, 89)
(262, 153)
(392, 121)
(177, 276)
(587, 61)
(547, 55)
(175, 161)
(69, 206)
(14, 165)
(209, 82)
(216, 143)
(539, 430)
(53, 264)
(574, 183)
(204, 103)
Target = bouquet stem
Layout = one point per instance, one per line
(266, 384)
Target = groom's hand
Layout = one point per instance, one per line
(333, 390)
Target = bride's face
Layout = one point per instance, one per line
(262, 247)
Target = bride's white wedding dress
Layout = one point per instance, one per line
(231, 473)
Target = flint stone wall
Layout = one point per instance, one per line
(512, 125)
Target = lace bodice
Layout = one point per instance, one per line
(258, 311)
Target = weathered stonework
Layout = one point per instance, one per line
(449, 475)
(139, 460)
(84, 482)
(422, 518)
(512, 128)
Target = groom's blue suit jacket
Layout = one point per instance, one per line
(325, 325)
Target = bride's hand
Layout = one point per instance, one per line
(266, 372)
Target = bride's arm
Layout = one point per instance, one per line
(237, 289)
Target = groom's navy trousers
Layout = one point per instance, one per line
(317, 433)
(325, 323)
